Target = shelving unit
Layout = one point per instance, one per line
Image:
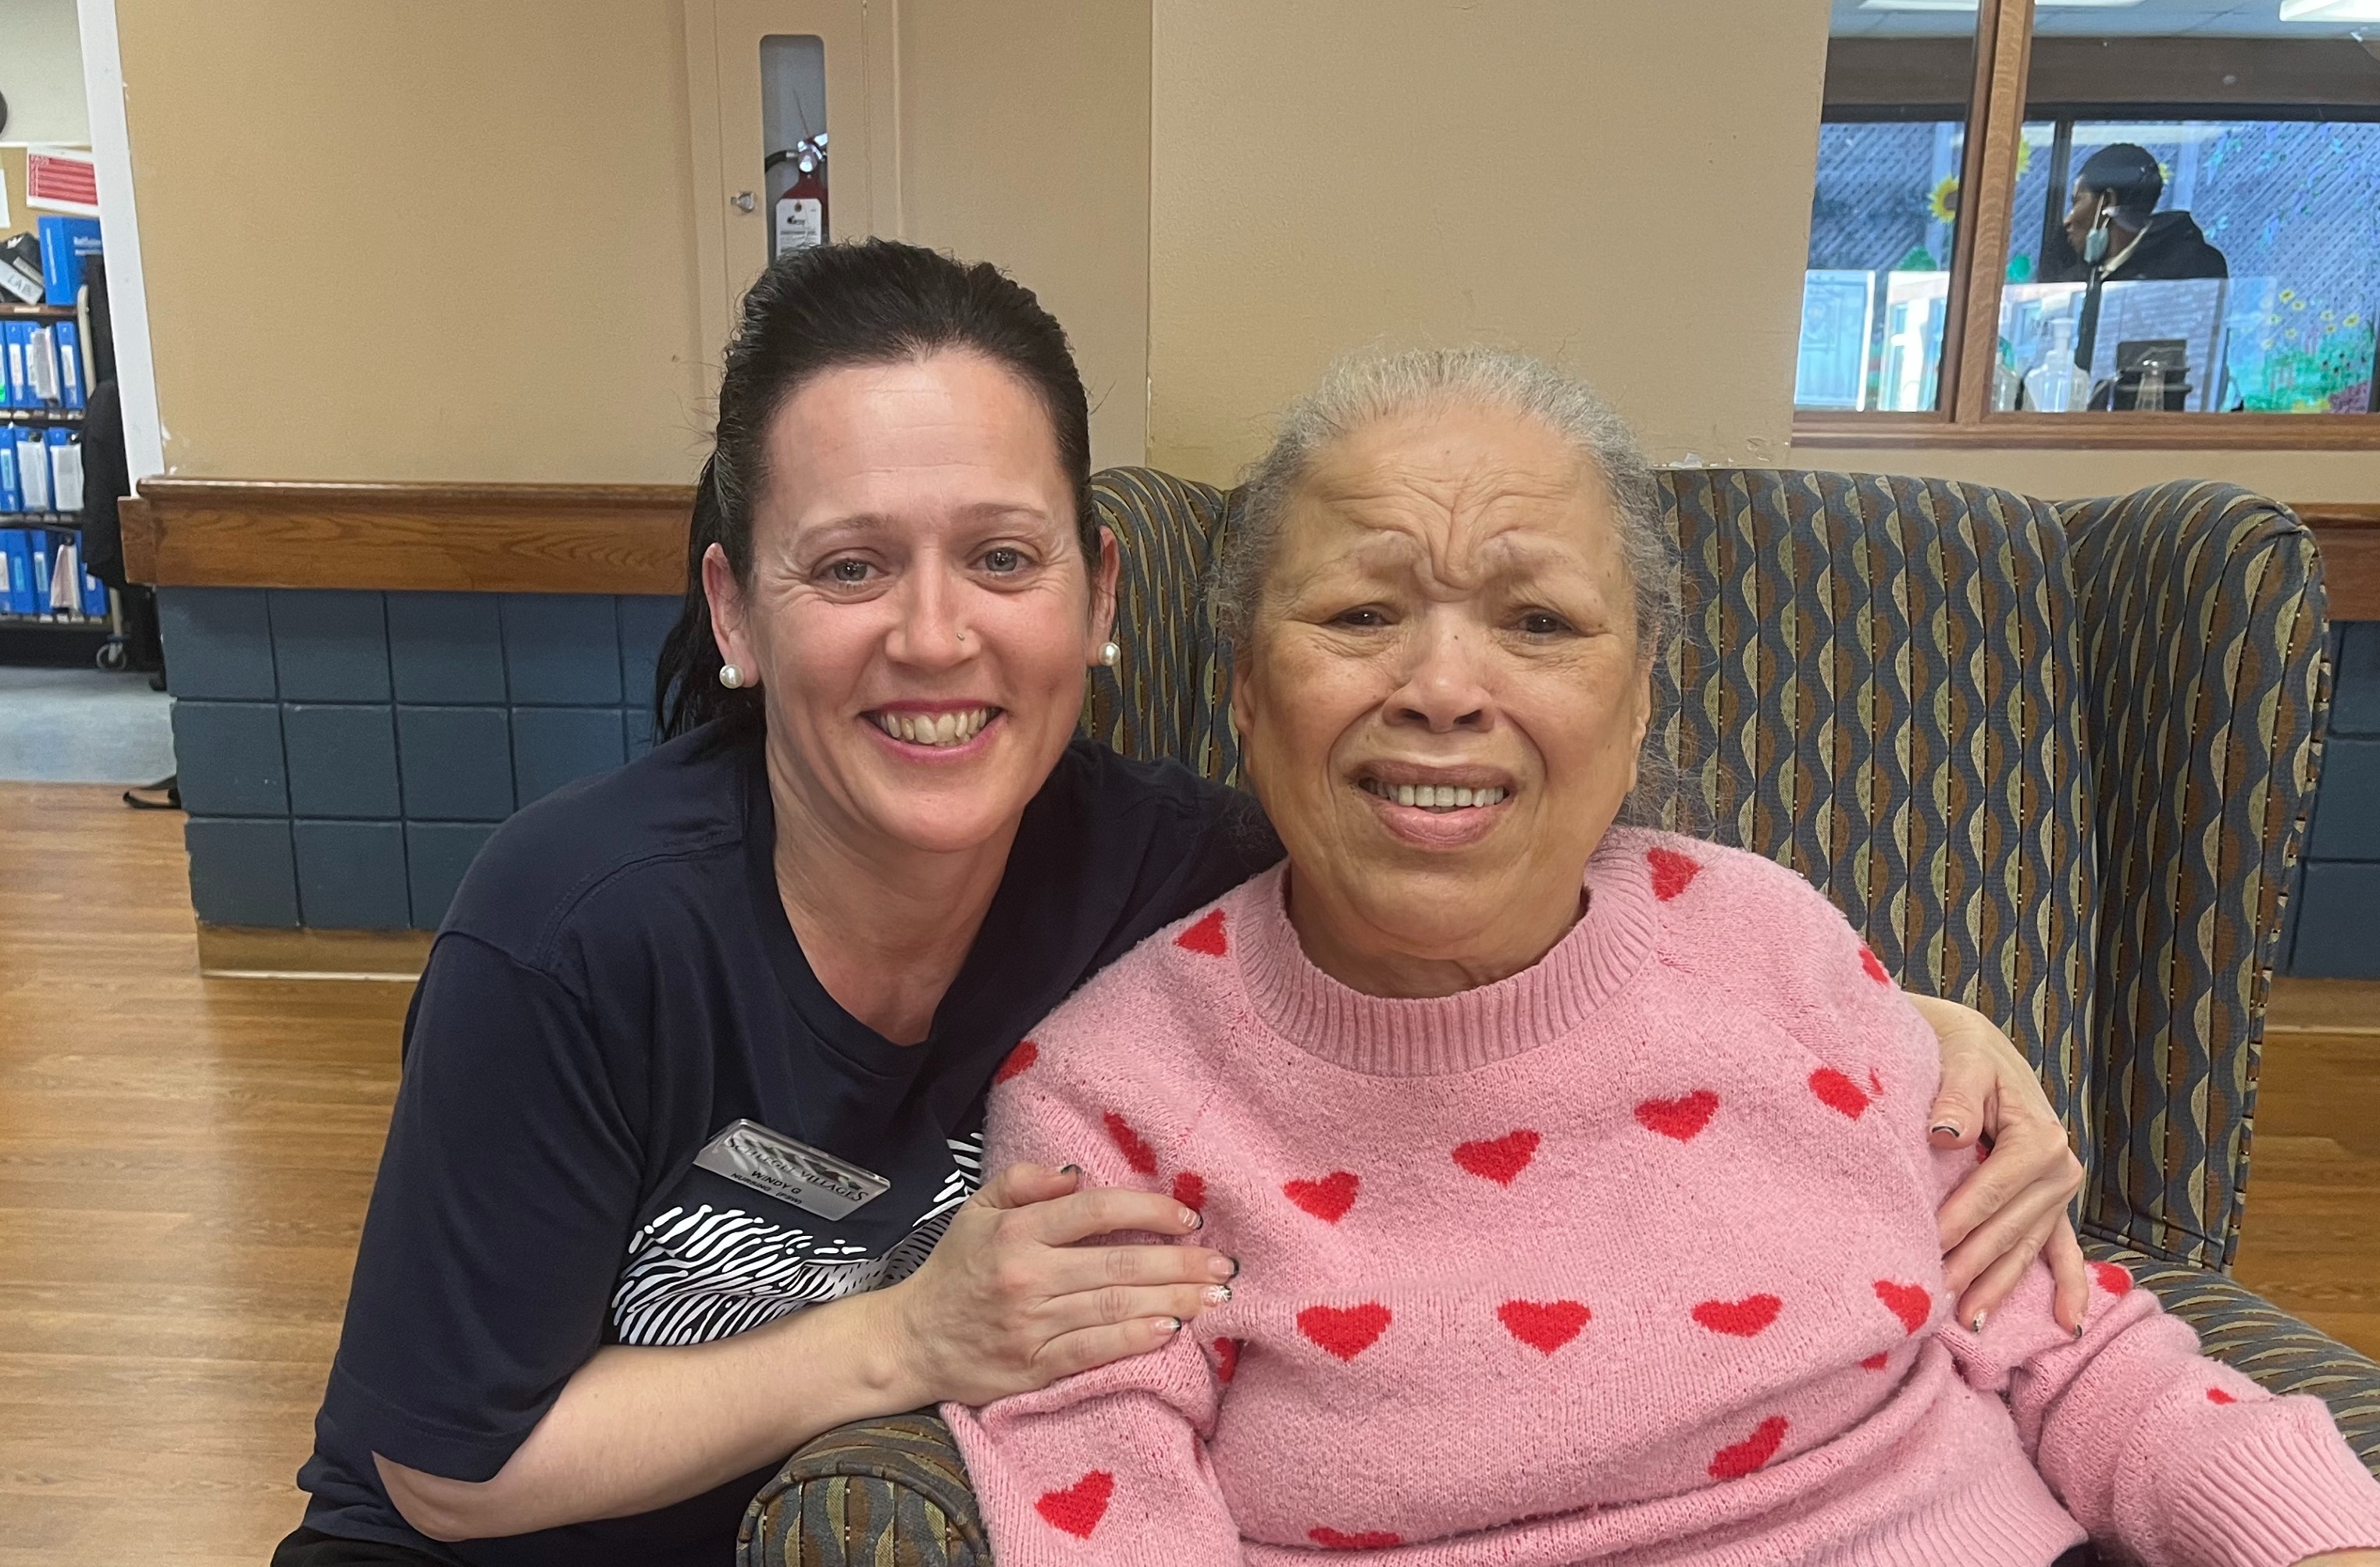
(58, 638)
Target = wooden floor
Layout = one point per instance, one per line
(183, 1169)
(183, 1164)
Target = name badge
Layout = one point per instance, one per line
(811, 1179)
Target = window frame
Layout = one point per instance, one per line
(1963, 415)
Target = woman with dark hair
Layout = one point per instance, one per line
(686, 1168)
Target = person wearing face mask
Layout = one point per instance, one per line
(2115, 235)
(687, 1166)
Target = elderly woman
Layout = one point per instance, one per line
(687, 1164)
(1579, 1173)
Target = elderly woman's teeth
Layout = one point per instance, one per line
(934, 729)
(1436, 797)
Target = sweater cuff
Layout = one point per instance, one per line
(2288, 1491)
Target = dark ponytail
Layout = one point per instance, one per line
(875, 302)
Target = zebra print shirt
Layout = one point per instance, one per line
(700, 1273)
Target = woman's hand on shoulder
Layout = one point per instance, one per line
(1008, 1301)
(2013, 1208)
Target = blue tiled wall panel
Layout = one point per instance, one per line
(553, 746)
(342, 760)
(446, 647)
(644, 620)
(2347, 805)
(345, 754)
(2335, 926)
(329, 646)
(2355, 686)
(218, 642)
(436, 855)
(241, 871)
(229, 757)
(456, 763)
(2339, 934)
(351, 875)
(562, 648)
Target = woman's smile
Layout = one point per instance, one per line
(1437, 807)
(933, 729)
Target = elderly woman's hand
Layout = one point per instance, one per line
(2014, 1205)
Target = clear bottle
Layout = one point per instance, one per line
(2058, 384)
(2150, 396)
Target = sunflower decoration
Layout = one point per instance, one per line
(1944, 202)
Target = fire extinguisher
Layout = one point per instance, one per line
(801, 212)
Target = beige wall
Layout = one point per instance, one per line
(439, 241)
(454, 239)
(1620, 185)
(1025, 140)
(40, 73)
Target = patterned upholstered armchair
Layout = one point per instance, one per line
(2053, 762)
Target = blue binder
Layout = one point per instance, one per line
(13, 336)
(65, 242)
(10, 499)
(19, 560)
(70, 341)
(32, 467)
(94, 592)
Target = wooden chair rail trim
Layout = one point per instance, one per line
(409, 536)
(609, 538)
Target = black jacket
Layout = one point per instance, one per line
(2172, 245)
(106, 478)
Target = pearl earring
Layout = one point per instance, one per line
(1109, 653)
(729, 676)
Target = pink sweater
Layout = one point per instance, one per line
(1631, 1254)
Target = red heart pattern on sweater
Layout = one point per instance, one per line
(1682, 1118)
(1498, 1159)
(1368, 1539)
(1735, 1461)
(1837, 1092)
(1134, 1148)
(1079, 1507)
(2112, 1277)
(1746, 1319)
(1205, 937)
(1018, 1061)
(1227, 1359)
(1671, 872)
(1328, 1200)
(2217, 1396)
(1344, 1330)
(1873, 967)
(1874, 1363)
(1912, 1303)
(1190, 1190)
(1543, 1325)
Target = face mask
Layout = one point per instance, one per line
(2095, 244)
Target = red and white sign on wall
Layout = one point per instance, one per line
(61, 179)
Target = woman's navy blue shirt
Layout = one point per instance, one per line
(615, 984)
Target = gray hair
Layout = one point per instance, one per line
(1362, 389)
